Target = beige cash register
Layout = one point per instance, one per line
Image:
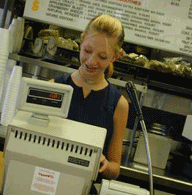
(47, 154)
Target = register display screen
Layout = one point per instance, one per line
(44, 97)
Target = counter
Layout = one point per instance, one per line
(160, 177)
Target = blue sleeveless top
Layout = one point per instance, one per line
(96, 109)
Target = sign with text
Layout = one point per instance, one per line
(165, 24)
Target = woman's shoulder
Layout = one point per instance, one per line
(116, 93)
(123, 103)
(118, 97)
(62, 78)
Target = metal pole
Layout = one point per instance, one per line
(4, 15)
(131, 90)
(134, 132)
(7, 5)
(148, 156)
(132, 141)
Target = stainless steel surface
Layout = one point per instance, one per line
(160, 147)
(157, 132)
(160, 177)
(140, 88)
(158, 129)
(150, 170)
(158, 126)
(40, 63)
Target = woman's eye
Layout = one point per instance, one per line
(103, 57)
(87, 51)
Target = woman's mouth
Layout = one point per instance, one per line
(90, 68)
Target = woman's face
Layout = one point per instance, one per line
(97, 51)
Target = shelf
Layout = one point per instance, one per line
(67, 68)
(39, 62)
(160, 81)
(165, 82)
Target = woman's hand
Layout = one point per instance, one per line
(108, 169)
(103, 163)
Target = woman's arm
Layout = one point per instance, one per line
(52, 80)
(111, 165)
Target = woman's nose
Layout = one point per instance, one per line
(92, 60)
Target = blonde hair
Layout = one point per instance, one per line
(112, 27)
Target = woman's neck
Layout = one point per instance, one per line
(91, 81)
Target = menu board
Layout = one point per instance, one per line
(160, 24)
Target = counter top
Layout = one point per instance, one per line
(160, 177)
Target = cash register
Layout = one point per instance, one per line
(45, 153)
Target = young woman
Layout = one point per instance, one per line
(95, 101)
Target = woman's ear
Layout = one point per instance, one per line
(118, 55)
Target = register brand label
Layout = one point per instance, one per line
(78, 161)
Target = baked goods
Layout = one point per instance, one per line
(134, 58)
(46, 33)
(142, 60)
(67, 43)
(129, 58)
(178, 69)
(187, 71)
(180, 66)
(159, 66)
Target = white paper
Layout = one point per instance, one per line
(45, 181)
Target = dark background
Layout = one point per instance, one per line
(18, 7)
(2, 3)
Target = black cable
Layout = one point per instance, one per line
(131, 90)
